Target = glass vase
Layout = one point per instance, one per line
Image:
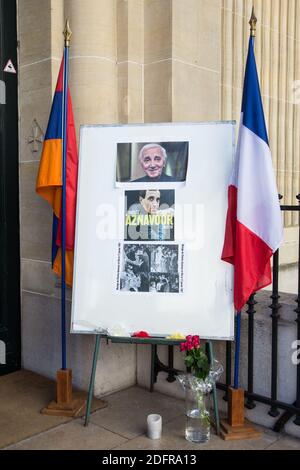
(197, 403)
(197, 410)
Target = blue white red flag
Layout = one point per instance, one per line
(254, 229)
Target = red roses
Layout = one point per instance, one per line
(191, 343)
(195, 358)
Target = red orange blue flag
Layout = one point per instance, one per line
(49, 179)
(254, 229)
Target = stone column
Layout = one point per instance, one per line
(40, 331)
(130, 60)
(196, 60)
(35, 95)
(276, 48)
(296, 101)
(93, 73)
(158, 61)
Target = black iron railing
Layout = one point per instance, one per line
(275, 405)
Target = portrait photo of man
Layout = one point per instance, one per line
(153, 160)
(152, 163)
(149, 215)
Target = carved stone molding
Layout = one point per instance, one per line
(37, 136)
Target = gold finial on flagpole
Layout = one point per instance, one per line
(67, 33)
(252, 22)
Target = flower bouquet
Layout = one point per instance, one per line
(197, 385)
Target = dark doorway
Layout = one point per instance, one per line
(10, 344)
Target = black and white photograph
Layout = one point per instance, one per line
(149, 268)
(152, 163)
(149, 215)
(164, 282)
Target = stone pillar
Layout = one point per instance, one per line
(274, 67)
(296, 101)
(277, 57)
(40, 330)
(130, 60)
(196, 60)
(290, 110)
(158, 61)
(93, 72)
(182, 60)
(35, 95)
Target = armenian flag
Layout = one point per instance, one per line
(49, 179)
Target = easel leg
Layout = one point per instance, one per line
(92, 381)
(215, 396)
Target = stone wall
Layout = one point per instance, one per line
(140, 61)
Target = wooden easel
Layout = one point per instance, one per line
(152, 341)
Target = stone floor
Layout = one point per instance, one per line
(121, 426)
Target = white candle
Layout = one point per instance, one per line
(154, 426)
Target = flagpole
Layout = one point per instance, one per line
(67, 35)
(237, 350)
(65, 404)
(255, 147)
(252, 22)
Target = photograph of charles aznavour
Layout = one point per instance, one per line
(149, 215)
(156, 162)
(149, 268)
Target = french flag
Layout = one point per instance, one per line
(254, 229)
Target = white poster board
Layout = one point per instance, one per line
(175, 282)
